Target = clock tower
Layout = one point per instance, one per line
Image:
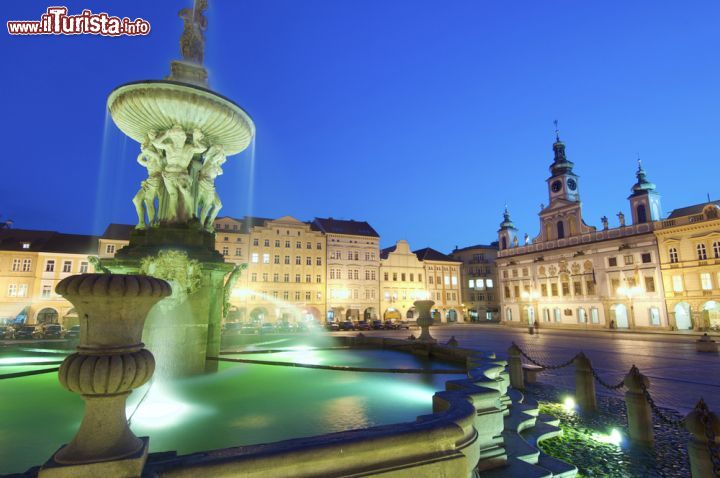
(563, 182)
(562, 218)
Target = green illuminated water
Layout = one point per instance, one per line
(242, 404)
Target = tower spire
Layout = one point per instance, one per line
(557, 131)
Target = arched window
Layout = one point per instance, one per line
(508, 315)
(716, 249)
(504, 243)
(582, 318)
(701, 252)
(560, 230)
(673, 255)
(641, 214)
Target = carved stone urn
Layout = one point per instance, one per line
(109, 363)
(424, 320)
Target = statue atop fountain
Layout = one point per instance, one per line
(186, 133)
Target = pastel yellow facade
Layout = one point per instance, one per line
(689, 247)
(31, 265)
(285, 277)
(402, 282)
(443, 285)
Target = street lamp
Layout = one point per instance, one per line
(630, 292)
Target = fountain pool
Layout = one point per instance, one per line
(242, 404)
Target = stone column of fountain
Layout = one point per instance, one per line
(424, 320)
(186, 131)
(109, 363)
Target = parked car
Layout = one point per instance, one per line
(73, 332)
(53, 331)
(332, 326)
(29, 332)
(248, 329)
(390, 325)
(363, 325)
(404, 324)
(347, 325)
(377, 324)
(267, 328)
(232, 328)
(7, 332)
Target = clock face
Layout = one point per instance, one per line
(556, 186)
(571, 184)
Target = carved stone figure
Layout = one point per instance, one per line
(229, 284)
(515, 241)
(207, 198)
(192, 40)
(527, 239)
(150, 189)
(621, 217)
(604, 220)
(176, 178)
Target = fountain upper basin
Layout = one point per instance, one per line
(157, 105)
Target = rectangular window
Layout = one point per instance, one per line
(507, 292)
(308, 296)
(22, 290)
(577, 288)
(553, 289)
(430, 279)
(590, 287)
(286, 277)
(255, 242)
(654, 316)
(266, 242)
(297, 277)
(385, 276)
(265, 277)
(646, 258)
(308, 278)
(628, 260)
(565, 288)
(287, 259)
(308, 245)
(308, 261)
(677, 283)
(83, 267)
(254, 258)
(276, 277)
(110, 249)
(454, 280)
(286, 295)
(471, 283)
(447, 280)
(318, 246)
(16, 265)
(27, 265)
(225, 251)
(543, 290)
(297, 295)
(266, 258)
(67, 266)
(46, 290)
(287, 243)
(298, 245)
(489, 283)
(298, 260)
(480, 284)
(318, 279)
(556, 314)
(516, 290)
(402, 277)
(276, 259)
(318, 261)
(581, 315)
(238, 252)
(50, 266)
(594, 315)
(277, 243)
(253, 277)
(706, 281)
(419, 277)
(395, 276)
(649, 284)
(612, 261)
(12, 290)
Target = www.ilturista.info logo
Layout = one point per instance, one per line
(56, 21)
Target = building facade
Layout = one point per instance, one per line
(689, 249)
(573, 275)
(402, 282)
(478, 280)
(353, 263)
(31, 265)
(442, 280)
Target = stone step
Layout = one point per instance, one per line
(549, 419)
(517, 448)
(541, 431)
(558, 468)
(517, 469)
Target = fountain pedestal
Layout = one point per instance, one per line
(109, 364)
(425, 320)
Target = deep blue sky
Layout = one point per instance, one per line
(421, 117)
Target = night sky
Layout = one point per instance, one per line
(422, 117)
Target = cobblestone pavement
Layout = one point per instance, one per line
(679, 376)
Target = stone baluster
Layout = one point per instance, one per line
(639, 413)
(699, 422)
(584, 384)
(109, 363)
(516, 371)
(424, 320)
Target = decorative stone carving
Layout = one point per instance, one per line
(424, 319)
(621, 218)
(229, 284)
(109, 363)
(208, 200)
(176, 267)
(151, 188)
(575, 268)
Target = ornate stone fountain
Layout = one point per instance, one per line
(185, 131)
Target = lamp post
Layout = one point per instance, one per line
(630, 292)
